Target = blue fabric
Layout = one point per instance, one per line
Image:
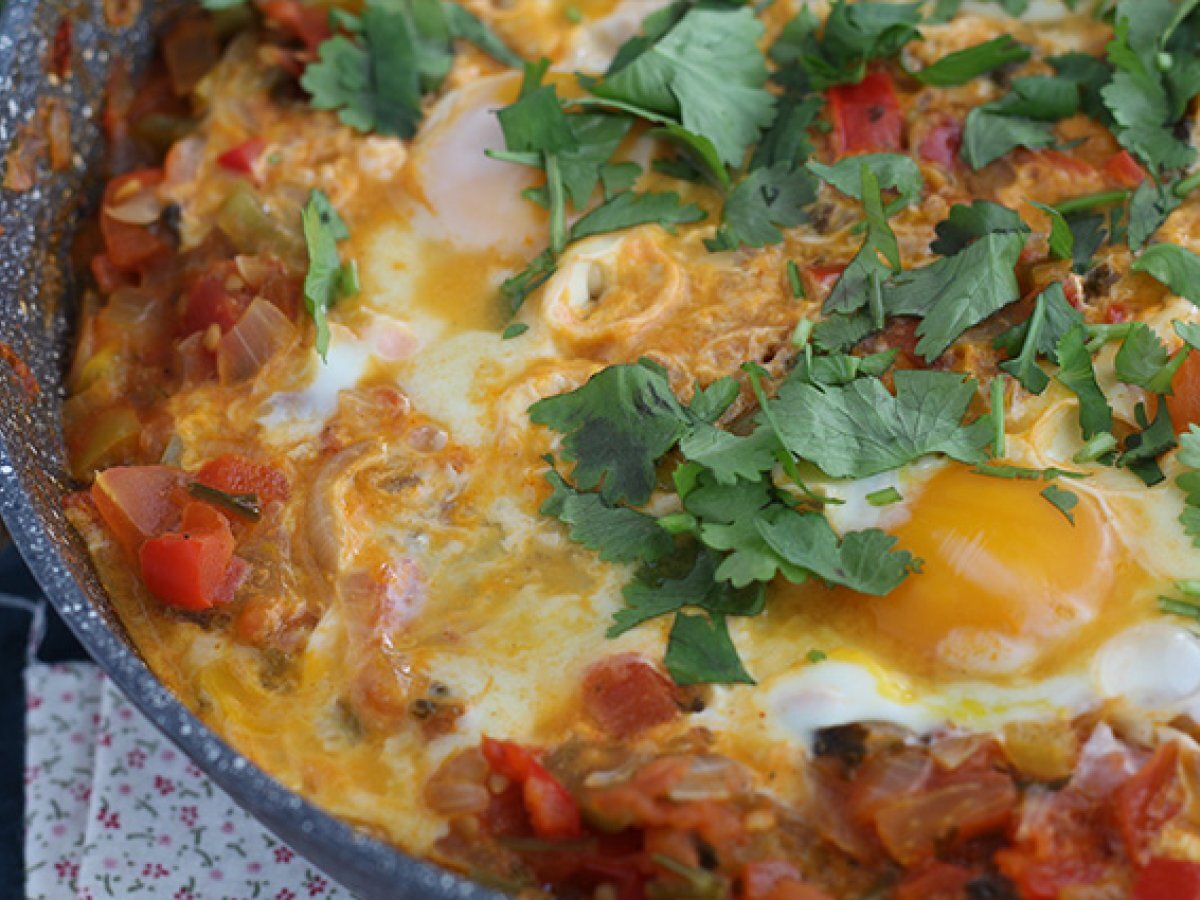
(16, 620)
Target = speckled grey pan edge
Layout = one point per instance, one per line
(34, 299)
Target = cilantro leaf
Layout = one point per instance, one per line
(1062, 239)
(1148, 210)
(326, 282)
(853, 35)
(861, 279)
(957, 292)
(1090, 75)
(860, 429)
(1025, 368)
(700, 651)
(729, 456)
(1176, 267)
(373, 82)
(616, 427)
(1062, 500)
(1189, 482)
(965, 65)
(464, 24)
(763, 202)
(839, 332)
(1077, 375)
(1142, 449)
(863, 561)
(654, 592)
(969, 223)
(1020, 119)
(535, 122)
(786, 140)
(892, 171)
(1143, 360)
(616, 533)
(1087, 234)
(708, 71)
(629, 208)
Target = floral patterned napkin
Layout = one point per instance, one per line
(113, 809)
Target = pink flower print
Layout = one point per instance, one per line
(193, 770)
(77, 737)
(125, 789)
(284, 854)
(32, 773)
(254, 867)
(286, 894)
(66, 869)
(34, 701)
(184, 893)
(155, 870)
(168, 755)
(315, 884)
(227, 828)
(95, 719)
(164, 786)
(108, 818)
(189, 816)
(59, 830)
(68, 696)
(125, 713)
(135, 759)
(81, 792)
(164, 840)
(104, 739)
(109, 863)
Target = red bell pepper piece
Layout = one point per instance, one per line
(241, 159)
(189, 569)
(865, 116)
(552, 810)
(1124, 170)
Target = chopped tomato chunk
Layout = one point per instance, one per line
(1183, 403)
(865, 116)
(138, 502)
(236, 474)
(189, 569)
(209, 301)
(1124, 170)
(308, 23)
(1147, 801)
(131, 247)
(913, 827)
(242, 158)
(625, 695)
(942, 143)
(552, 810)
(1167, 879)
(819, 280)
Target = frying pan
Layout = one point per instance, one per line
(36, 306)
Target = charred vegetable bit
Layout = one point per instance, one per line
(245, 505)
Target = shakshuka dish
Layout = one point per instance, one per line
(695, 449)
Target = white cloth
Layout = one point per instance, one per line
(113, 809)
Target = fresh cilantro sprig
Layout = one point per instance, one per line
(376, 74)
(1023, 118)
(735, 529)
(964, 65)
(328, 279)
(1189, 482)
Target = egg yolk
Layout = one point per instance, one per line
(1008, 584)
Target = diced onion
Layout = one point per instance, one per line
(142, 208)
(260, 333)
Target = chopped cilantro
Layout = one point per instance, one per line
(1179, 608)
(1062, 238)
(616, 533)
(1052, 317)
(327, 280)
(786, 140)
(1176, 267)
(795, 284)
(700, 651)
(1079, 376)
(884, 497)
(878, 257)
(1189, 482)
(515, 330)
(1020, 119)
(1063, 500)
(957, 292)
(860, 429)
(246, 505)
(892, 171)
(815, 656)
(863, 561)
(763, 202)
(1143, 448)
(964, 65)
(706, 70)
(1144, 361)
(1148, 210)
(616, 428)
(966, 224)
(630, 208)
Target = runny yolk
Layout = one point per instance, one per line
(1008, 583)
